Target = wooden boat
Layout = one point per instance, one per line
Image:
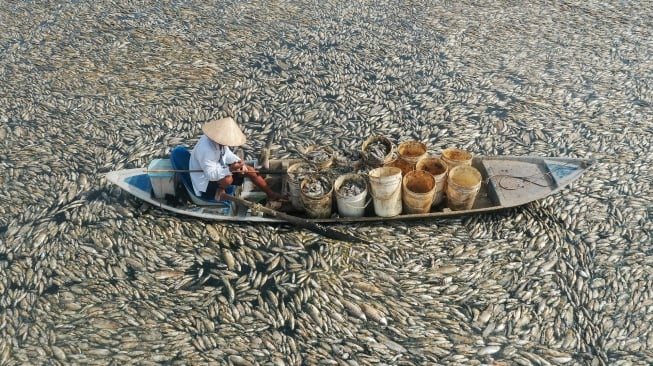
(508, 181)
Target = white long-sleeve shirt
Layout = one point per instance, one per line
(213, 159)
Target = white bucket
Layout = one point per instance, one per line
(351, 206)
(294, 184)
(454, 157)
(418, 190)
(463, 185)
(438, 169)
(385, 185)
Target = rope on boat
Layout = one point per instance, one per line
(502, 176)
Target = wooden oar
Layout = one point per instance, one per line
(260, 171)
(313, 226)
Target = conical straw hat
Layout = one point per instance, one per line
(225, 132)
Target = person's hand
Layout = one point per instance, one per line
(237, 166)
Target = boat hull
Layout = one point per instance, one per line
(507, 181)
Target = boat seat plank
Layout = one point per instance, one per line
(561, 172)
(517, 182)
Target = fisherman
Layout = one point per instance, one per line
(220, 166)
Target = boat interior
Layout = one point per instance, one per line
(506, 182)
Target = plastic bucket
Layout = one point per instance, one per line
(418, 187)
(392, 161)
(320, 164)
(454, 157)
(438, 169)
(409, 153)
(385, 185)
(296, 174)
(350, 206)
(463, 185)
(373, 160)
(316, 207)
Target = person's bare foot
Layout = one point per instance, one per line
(219, 195)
